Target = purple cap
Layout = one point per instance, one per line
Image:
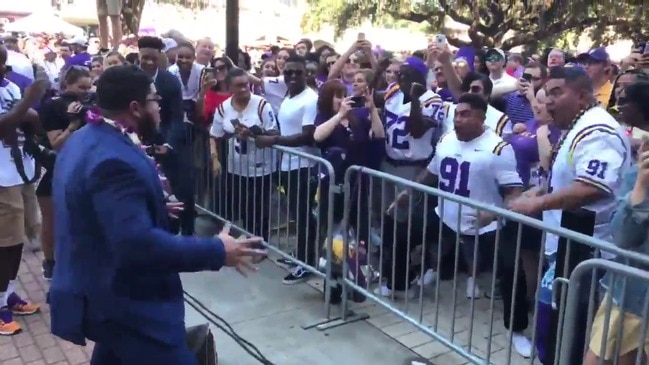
(418, 65)
(596, 54)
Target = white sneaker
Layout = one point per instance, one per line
(384, 291)
(522, 345)
(430, 277)
(472, 289)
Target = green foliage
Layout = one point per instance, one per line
(533, 22)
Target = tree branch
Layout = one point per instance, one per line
(558, 27)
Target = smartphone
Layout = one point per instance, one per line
(361, 36)
(235, 122)
(256, 130)
(646, 48)
(358, 102)
(440, 40)
(527, 77)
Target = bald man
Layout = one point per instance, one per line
(204, 51)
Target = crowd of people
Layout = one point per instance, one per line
(549, 136)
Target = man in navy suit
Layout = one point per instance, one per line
(116, 281)
(174, 142)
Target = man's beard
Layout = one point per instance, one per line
(147, 127)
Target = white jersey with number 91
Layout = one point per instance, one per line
(399, 144)
(475, 169)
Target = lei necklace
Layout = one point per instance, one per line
(557, 147)
(93, 117)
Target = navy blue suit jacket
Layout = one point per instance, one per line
(172, 125)
(115, 260)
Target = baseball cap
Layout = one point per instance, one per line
(78, 40)
(497, 51)
(417, 64)
(169, 44)
(595, 54)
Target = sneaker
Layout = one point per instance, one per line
(522, 345)
(430, 276)
(384, 291)
(8, 326)
(20, 307)
(472, 289)
(298, 275)
(48, 269)
(497, 293)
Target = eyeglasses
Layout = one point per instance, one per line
(154, 99)
(221, 68)
(290, 73)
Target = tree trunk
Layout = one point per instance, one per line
(131, 16)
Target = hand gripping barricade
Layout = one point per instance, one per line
(435, 272)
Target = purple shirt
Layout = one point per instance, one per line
(352, 141)
(527, 151)
(21, 81)
(80, 59)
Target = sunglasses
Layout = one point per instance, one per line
(493, 58)
(293, 72)
(622, 100)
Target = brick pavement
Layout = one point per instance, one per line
(35, 345)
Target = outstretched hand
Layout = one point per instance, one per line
(239, 252)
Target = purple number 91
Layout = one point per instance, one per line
(454, 176)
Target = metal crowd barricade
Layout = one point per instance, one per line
(615, 319)
(292, 210)
(471, 326)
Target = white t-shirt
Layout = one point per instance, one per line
(498, 121)
(244, 158)
(476, 169)
(504, 81)
(191, 90)
(399, 144)
(20, 64)
(596, 152)
(294, 113)
(9, 96)
(275, 91)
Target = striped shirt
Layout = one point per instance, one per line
(518, 108)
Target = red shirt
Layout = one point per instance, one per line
(212, 100)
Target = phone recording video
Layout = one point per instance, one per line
(358, 102)
(527, 77)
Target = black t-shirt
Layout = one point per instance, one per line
(54, 113)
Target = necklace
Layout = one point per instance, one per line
(557, 147)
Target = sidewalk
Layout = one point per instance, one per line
(35, 345)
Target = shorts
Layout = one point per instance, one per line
(109, 7)
(19, 214)
(629, 323)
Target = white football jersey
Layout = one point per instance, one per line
(275, 91)
(496, 120)
(596, 151)
(9, 176)
(476, 169)
(399, 144)
(244, 158)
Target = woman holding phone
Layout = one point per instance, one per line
(344, 131)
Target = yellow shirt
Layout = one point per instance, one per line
(603, 95)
